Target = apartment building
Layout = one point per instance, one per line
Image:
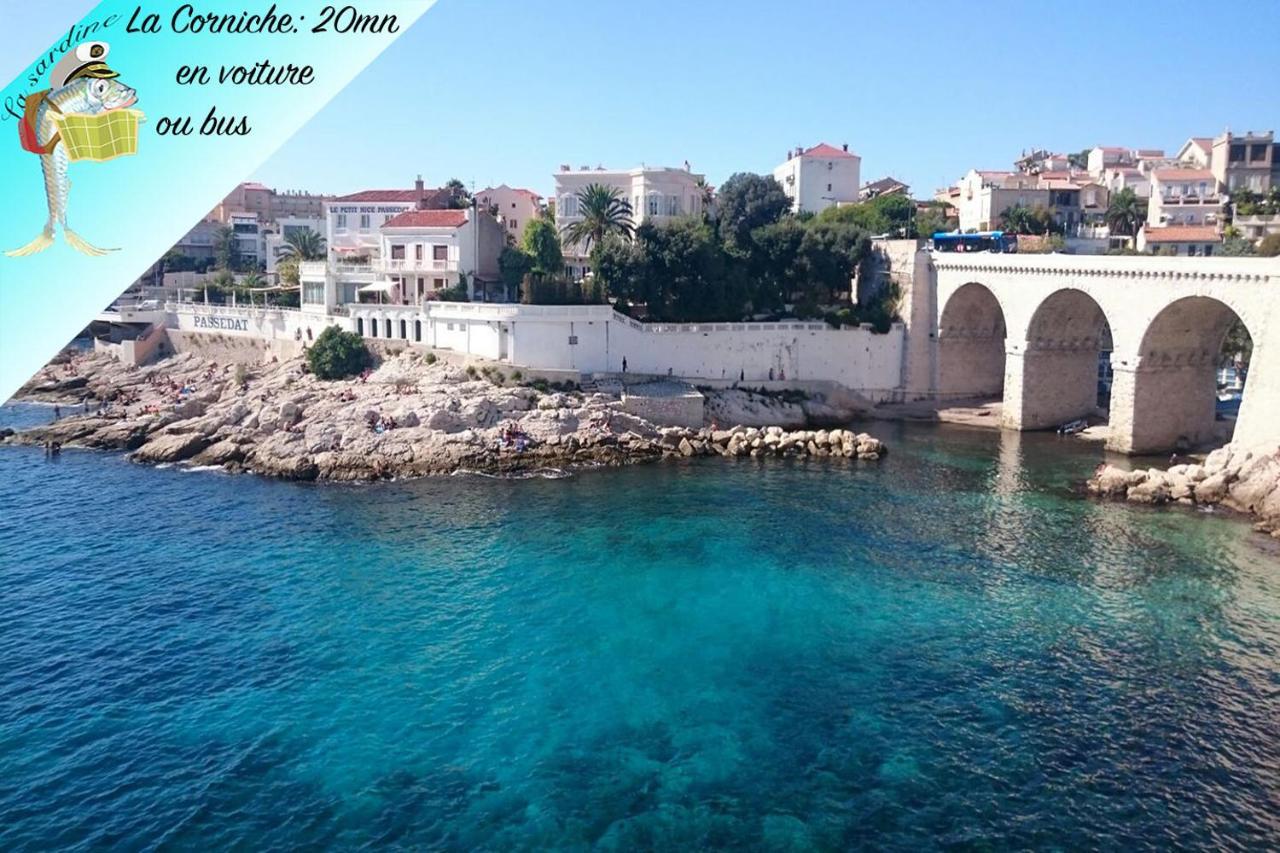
(268, 205)
(819, 177)
(1250, 162)
(1184, 197)
(513, 206)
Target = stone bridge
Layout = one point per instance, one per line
(1030, 328)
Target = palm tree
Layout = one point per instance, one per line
(604, 211)
(226, 247)
(708, 194)
(304, 244)
(1125, 213)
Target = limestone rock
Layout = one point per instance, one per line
(172, 447)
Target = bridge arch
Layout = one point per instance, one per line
(1059, 376)
(971, 344)
(1172, 402)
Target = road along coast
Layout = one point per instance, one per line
(412, 416)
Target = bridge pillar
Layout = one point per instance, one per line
(1158, 406)
(1046, 387)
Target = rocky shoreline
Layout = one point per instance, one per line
(1243, 479)
(412, 416)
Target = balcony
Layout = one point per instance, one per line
(403, 265)
(1194, 198)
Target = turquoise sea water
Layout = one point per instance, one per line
(948, 648)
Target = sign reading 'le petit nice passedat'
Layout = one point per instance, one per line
(187, 19)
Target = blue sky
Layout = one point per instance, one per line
(505, 90)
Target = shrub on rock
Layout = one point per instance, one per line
(337, 354)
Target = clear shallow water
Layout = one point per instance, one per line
(946, 648)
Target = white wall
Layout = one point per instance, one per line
(594, 339)
(261, 323)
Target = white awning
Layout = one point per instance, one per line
(378, 287)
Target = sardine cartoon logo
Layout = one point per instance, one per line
(84, 116)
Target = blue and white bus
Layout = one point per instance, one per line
(982, 241)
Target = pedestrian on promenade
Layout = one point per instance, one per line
(624, 364)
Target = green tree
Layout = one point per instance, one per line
(1236, 246)
(513, 265)
(748, 201)
(1080, 160)
(831, 252)
(602, 211)
(775, 266)
(304, 244)
(1125, 213)
(226, 248)
(680, 271)
(337, 354)
(167, 262)
(1237, 344)
(885, 214)
(1016, 219)
(542, 244)
(459, 197)
(934, 220)
(707, 195)
(616, 264)
(1270, 246)
(1024, 220)
(287, 270)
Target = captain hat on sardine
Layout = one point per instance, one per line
(87, 60)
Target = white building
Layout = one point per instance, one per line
(1188, 240)
(274, 239)
(248, 237)
(418, 254)
(655, 195)
(513, 206)
(1184, 197)
(817, 178)
(352, 221)
(1196, 152)
(1120, 178)
(1105, 157)
(983, 195)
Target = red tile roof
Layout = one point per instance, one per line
(1174, 175)
(254, 185)
(382, 195)
(1204, 143)
(822, 149)
(427, 219)
(1183, 234)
